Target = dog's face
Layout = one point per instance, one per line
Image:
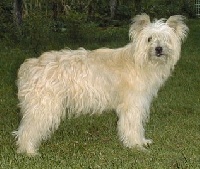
(159, 41)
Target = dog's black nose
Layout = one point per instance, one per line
(158, 50)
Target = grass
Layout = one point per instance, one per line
(91, 141)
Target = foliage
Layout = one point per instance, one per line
(35, 32)
(40, 33)
(160, 8)
(77, 21)
(7, 28)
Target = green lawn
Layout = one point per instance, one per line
(92, 142)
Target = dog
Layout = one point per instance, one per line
(80, 81)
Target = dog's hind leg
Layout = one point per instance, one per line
(41, 116)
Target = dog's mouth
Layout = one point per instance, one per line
(159, 54)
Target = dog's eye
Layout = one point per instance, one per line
(149, 39)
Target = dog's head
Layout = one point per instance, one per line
(159, 41)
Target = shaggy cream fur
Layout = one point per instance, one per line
(81, 81)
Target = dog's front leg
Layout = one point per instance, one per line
(132, 116)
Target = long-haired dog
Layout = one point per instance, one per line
(82, 81)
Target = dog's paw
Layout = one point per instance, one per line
(145, 145)
(35, 154)
(29, 153)
(147, 142)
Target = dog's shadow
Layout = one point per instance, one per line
(83, 132)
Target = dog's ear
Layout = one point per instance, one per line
(138, 23)
(176, 22)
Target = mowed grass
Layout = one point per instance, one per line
(91, 141)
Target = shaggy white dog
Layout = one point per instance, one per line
(82, 81)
